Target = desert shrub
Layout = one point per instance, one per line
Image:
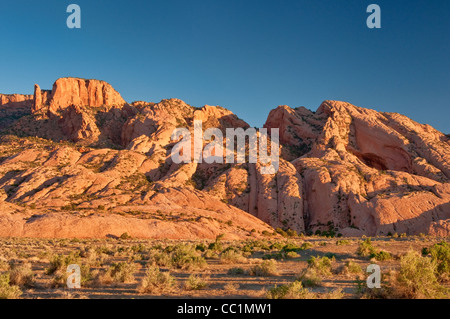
(276, 255)
(156, 281)
(281, 232)
(365, 248)
(104, 249)
(440, 253)
(201, 247)
(8, 291)
(351, 267)
(342, 242)
(364, 292)
(291, 248)
(121, 272)
(293, 290)
(292, 233)
(211, 254)
(161, 259)
(195, 282)
(254, 245)
(125, 236)
(231, 256)
(140, 248)
(292, 254)
(60, 276)
(217, 244)
(306, 245)
(22, 275)
(266, 269)
(93, 257)
(186, 257)
(231, 287)
(321, 264)
(276, 246)
(417, 277)
(236, 271)
(310, 277)
(60, 262)
(335, 294)
(381, 255)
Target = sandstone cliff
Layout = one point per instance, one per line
(94, 166)
(78, 92)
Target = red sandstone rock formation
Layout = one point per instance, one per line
(13, 100)
(343, 169)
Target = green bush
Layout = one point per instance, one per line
(365, 248)
(121, 272)
(231, 256)
(291, 248)
(321, 264)
(156, 281)
(266, 269)
(351, 267)
(293, 290)
(440, 253)
(306, 245)
(59, 263)
(22, 275)
(195, 282)
(417, 277)
(310, 277)
(8, 291)
(162, 259)
(236, 271)
(381, 255)
(217, 244)
(185, 256)
(125, 236)
(342, 242)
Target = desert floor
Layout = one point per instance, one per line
(116, 268)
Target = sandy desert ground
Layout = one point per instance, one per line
(293, 268)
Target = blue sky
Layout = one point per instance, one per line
(248, 55)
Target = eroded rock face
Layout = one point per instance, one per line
(13, 107)
(343, 169)
(78, 92)
(369, 172)
(15, 100)
(77, 124)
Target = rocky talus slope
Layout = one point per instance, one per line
(78, 161)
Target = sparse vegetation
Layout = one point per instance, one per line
(8, 291)
(294, 290)
(195, 282)
(266, 269)
(22, 275)
(310, 277)
(321, 264)
(162, 267)
(156, 281)
(120, 272)
(231, 256)
(351, 267)
(417, 277)
(440, 254)
(365, 248)
(185, 256)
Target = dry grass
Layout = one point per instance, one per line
(133, 268)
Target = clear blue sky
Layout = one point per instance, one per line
(246, 55)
